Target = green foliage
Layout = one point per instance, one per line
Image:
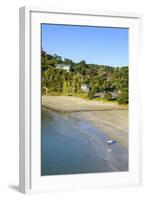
(103, 100)
(91, 93)
(99, 78)
(123, 97)
(108, 96)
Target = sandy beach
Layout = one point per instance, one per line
(112, 119)
(76, 104)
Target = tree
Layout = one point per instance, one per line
(99, 78)
(123, 97)
(68, 61)
(91, 93)
(57, 59)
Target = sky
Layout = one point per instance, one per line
(96, 45)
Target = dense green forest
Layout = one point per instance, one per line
(111, 82)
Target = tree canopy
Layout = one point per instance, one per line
(99, 78)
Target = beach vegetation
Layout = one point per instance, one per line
(108, 80)
(123, 97)
(108, 96)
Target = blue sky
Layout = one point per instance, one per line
(98, 45)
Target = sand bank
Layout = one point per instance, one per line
(76, 104)
(112, 119)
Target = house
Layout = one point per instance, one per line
(63, 66)
(114, 95)
(85, 87)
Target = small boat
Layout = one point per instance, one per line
(109, 142)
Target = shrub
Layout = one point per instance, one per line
(91, 93)
(123, 97)
(108, 96)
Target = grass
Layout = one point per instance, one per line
(105, 100)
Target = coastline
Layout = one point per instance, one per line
(77, 104)
(113, 123)
(112, 119)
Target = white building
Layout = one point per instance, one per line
(85, 87)
(63, 66)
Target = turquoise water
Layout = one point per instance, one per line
(72, 146)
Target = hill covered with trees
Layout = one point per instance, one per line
(110, 81)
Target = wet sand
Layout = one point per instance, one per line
(114, 123)
(112, 119)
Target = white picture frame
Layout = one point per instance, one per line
(30, 178)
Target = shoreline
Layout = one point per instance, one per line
(78, 111)
(111, 119)
(113, 123)
(77, 104)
